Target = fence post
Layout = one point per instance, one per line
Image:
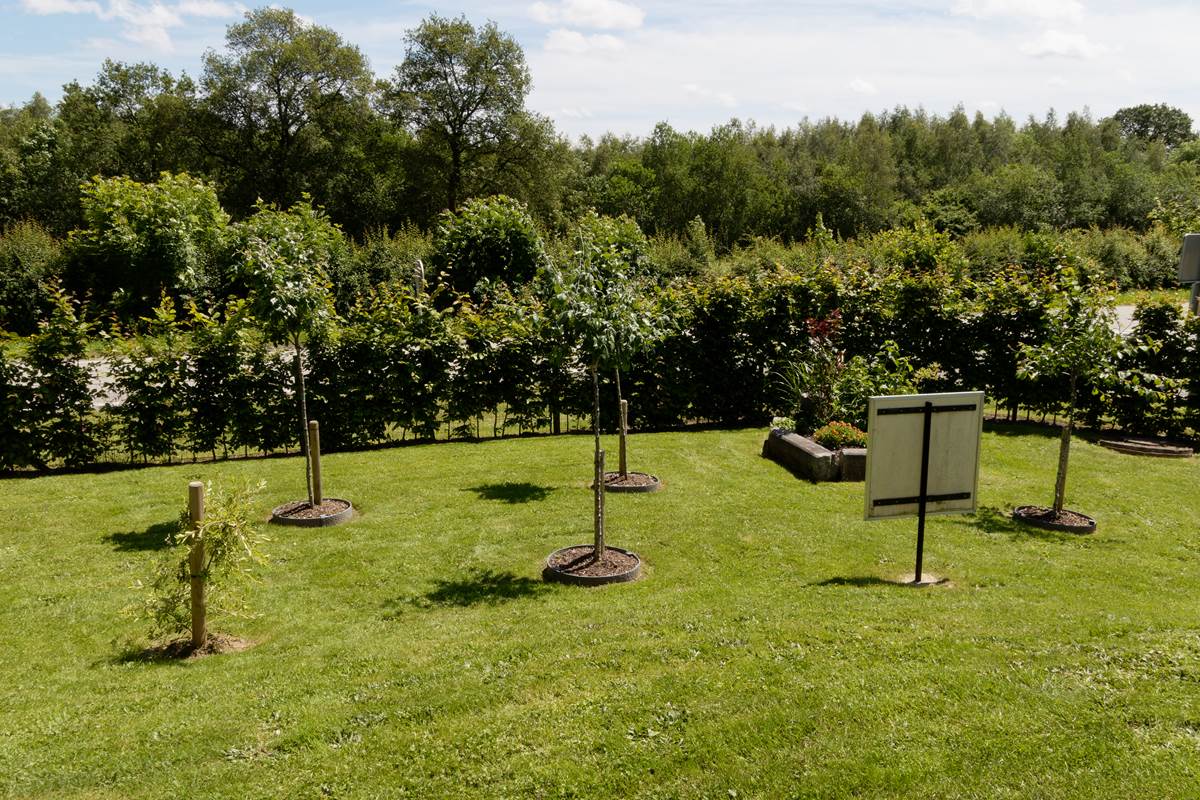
(196, 567)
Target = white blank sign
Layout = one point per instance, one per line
(1189, 259)
(894, 454)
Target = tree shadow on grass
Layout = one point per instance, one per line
(156, 537)
(480, 587)
(990, 519)
(511, 492)
(859, 581)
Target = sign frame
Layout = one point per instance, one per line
(923, 457)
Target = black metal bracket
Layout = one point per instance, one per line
(929, 498)
(883, 412)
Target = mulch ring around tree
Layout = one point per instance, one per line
(1147, 447)
(1065, 520)
(579, 565)
(331, 511)
(181, 649)
(631, 482)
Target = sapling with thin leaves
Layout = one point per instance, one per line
(231, 546)
(1080, 347)
(287, 256)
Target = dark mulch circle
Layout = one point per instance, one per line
(629, 479)
(581, 560)
(1065, 520)
(302, 510)
(1147, 447)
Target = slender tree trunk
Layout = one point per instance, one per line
(623, 422)
(598, 483)
(454, 180)
(299, 365)
(1064, 452)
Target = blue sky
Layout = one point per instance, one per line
(623, 65)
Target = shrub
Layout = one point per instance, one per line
(142, 239)
(489, 239)
(30, 260)
(837, 435)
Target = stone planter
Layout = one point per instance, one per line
(809, 460)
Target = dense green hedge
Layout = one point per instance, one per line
(404, 364)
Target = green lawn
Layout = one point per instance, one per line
(1132, 297)
(415, 653)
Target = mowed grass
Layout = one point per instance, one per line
(415, 652)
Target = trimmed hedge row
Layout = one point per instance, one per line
(404, 365)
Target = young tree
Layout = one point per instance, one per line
(463, 91)
(620, 242)
(598, 304)
(1079, 348)
(286, 262)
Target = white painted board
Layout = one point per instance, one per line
(1189, 259)
(894, 454)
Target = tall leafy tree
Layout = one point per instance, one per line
(462, 89)
(1157, 122)
(278, 104)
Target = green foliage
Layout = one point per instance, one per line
(490, 239)
(282, 106)
(462, 90)
(919, 249)
(599, 300)
(142, 239)
(1157, 122)
(61, 425)
(232, 550)
(821, 384)
(1080, 342)
(837, 435)
(150, 377)
(30, 260)
(286, 257)
(14, 402)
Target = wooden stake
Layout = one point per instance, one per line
(196, 567)
(623, 463)
(314, 454)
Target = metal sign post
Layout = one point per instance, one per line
(950, 460)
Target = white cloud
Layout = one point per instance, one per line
(208, 8)
(723, 99)
(145, 24)
(43, 7)
(1063, 45)
(863, 86)
(602, 14)
(576, 43)
(1032, 9)
(575, 113)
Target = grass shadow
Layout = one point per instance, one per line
(480, 587)
(511, 492)
(156, 537)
